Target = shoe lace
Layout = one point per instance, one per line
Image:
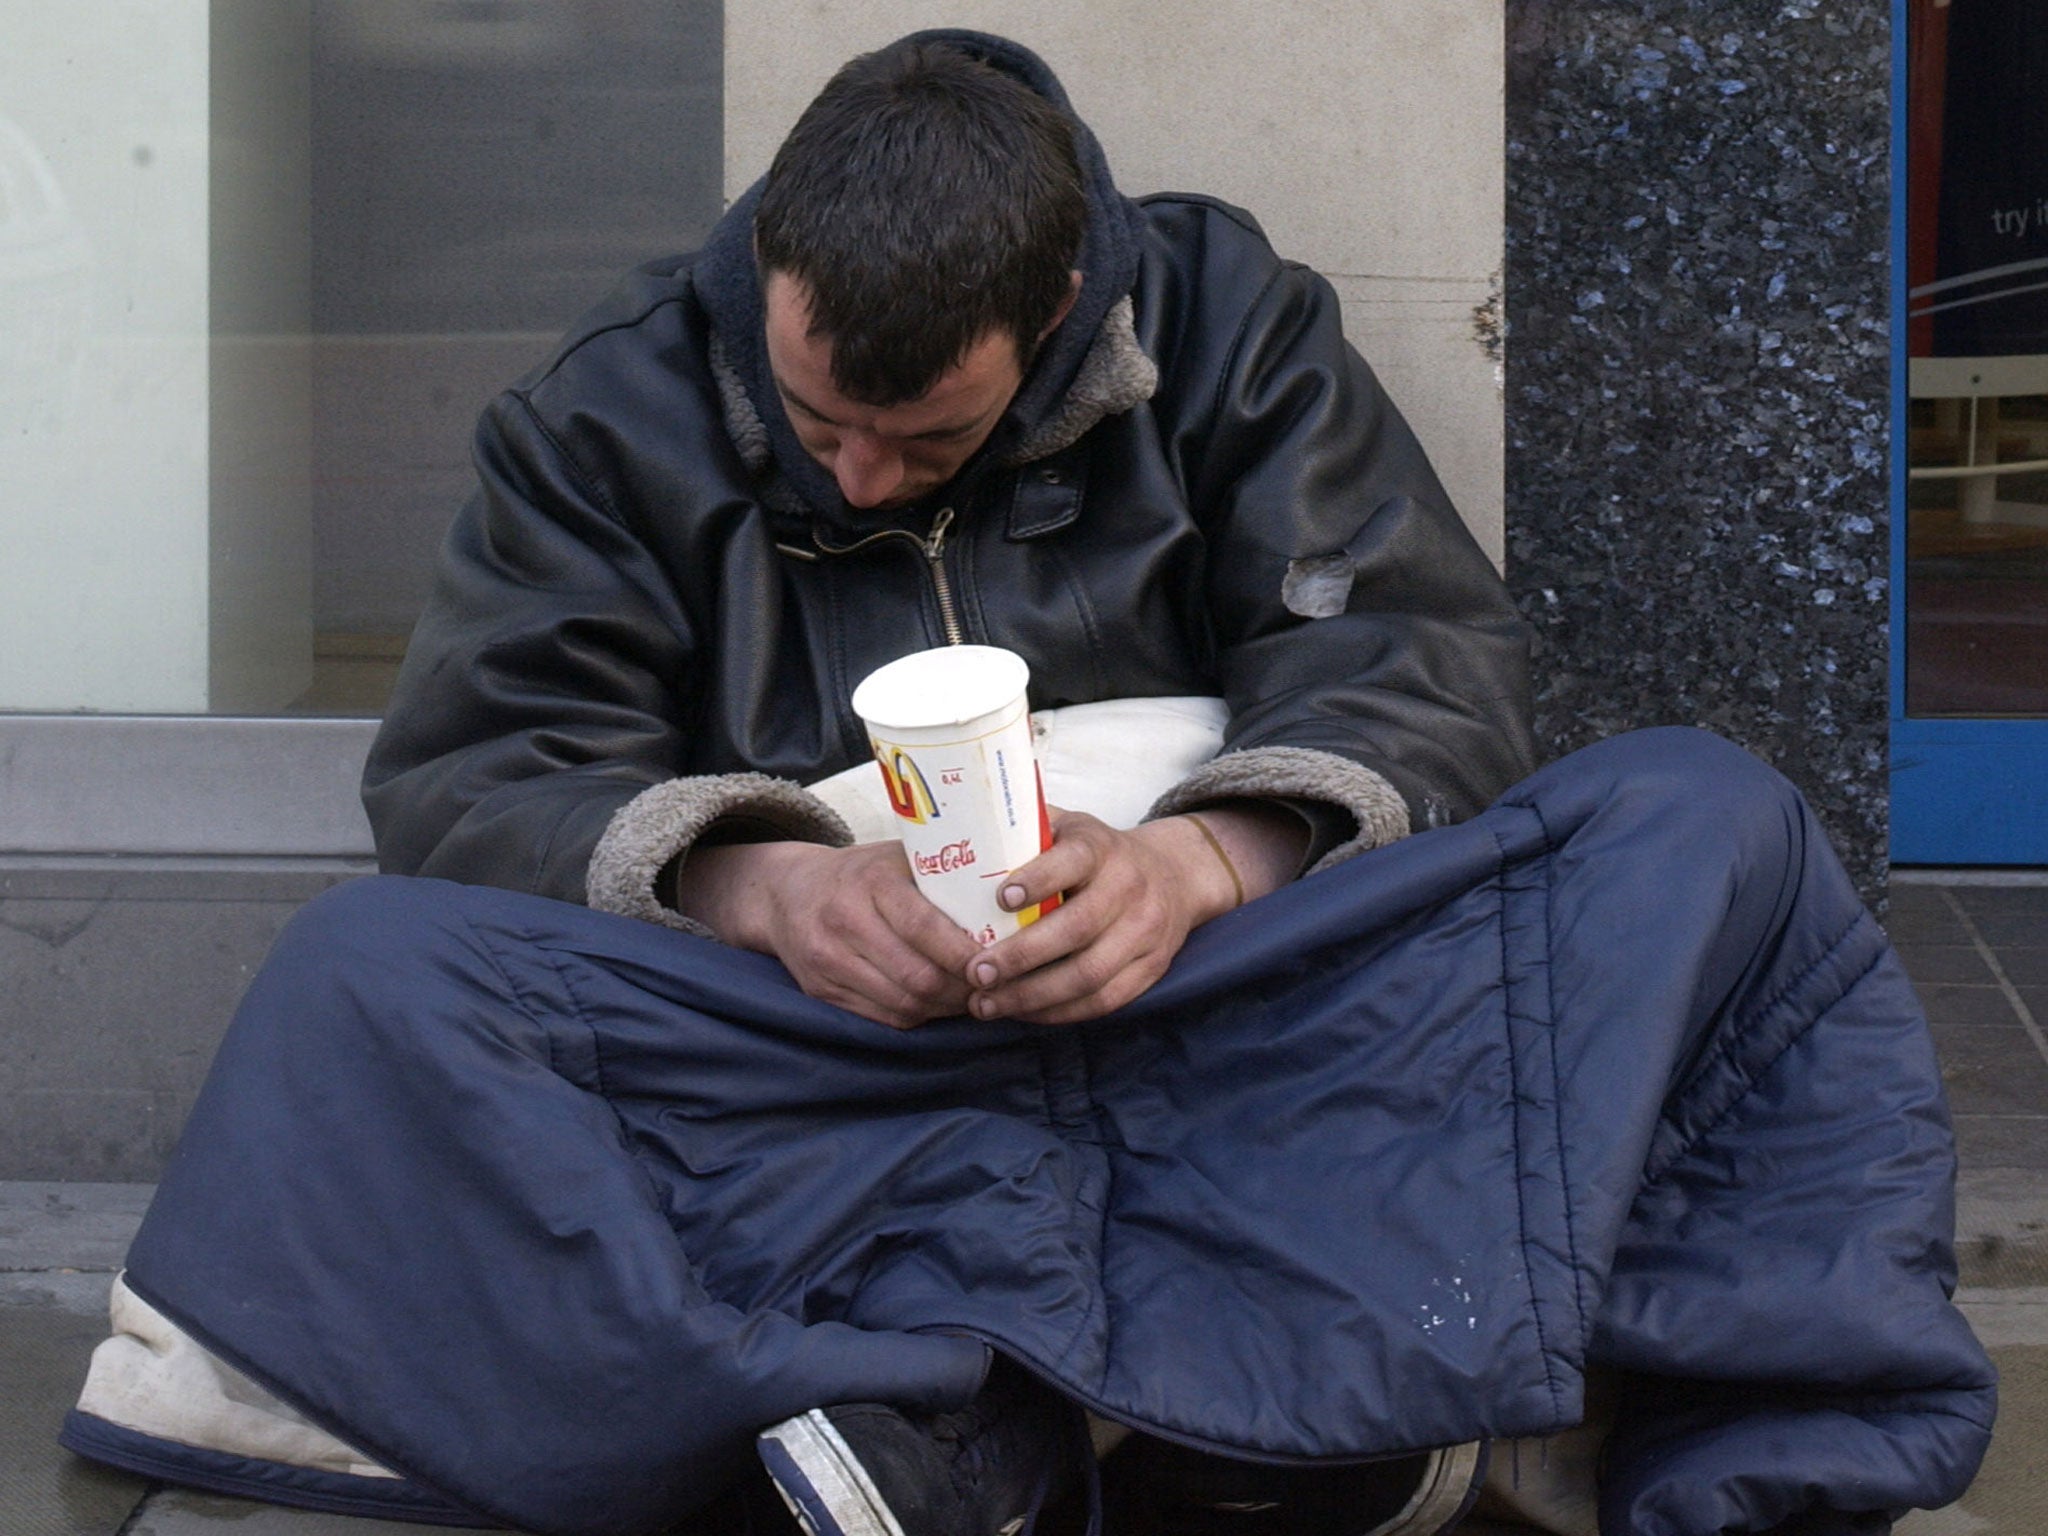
(1004, 1436)
(978, 1437)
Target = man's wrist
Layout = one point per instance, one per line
(1215, 843)
(1202, 884)
(1258, 845)
(730, 889)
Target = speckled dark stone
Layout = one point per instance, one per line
(1697, 381)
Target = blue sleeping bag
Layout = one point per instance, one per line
(550, 1211)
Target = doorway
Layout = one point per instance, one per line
(1970, 670)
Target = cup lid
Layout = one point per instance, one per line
(946, 686)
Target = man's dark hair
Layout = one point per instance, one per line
(924, 199)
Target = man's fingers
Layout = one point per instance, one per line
(867, 941)
(1080, 987)
(1125, 915)
(1081, 868)
(1069, 928)
(1091, 949)
(885, 980)
(908, 954)
(927, 931)
(1080, 843)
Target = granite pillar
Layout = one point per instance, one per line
(1697, 381)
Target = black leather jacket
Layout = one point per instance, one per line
(631, 600)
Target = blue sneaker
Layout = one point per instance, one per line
(866, 1469)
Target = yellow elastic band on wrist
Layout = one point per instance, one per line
(1236, 882)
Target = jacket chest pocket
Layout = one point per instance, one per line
(1094, 575)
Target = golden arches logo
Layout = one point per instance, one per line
(909, 796)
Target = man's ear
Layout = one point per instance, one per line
(1066, 305)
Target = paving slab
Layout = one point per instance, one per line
(2002, 1235)
(1992, 1070)
(49, 1324)
(2010, 1496)
(2028, 900)
(1985, 1005)
(180, 1512)
(2020, 929)
(2003, 1141)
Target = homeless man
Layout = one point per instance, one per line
(644, 1136)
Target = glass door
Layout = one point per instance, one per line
(262, 262)
(1970, 653)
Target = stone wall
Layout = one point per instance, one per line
(1697, 377)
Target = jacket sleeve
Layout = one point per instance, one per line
(538, 706)
(1370, 656)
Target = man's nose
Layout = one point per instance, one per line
(867, 469)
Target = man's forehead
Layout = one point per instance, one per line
(801, 361)
(788, 302)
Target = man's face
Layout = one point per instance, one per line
(884, 456)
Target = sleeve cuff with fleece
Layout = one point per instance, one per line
(1291, 775)
(659, 826)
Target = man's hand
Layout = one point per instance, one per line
(849, 923)
(1130, 900)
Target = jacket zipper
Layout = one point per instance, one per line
(942, 585)
(932, 546)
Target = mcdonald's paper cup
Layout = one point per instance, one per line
(952, 734)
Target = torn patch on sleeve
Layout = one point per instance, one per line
(1318, 586)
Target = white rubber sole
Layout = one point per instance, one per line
(822, 1481)
(1445, 1486)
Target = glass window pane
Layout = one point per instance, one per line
(1977, 429)
(261, 263)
